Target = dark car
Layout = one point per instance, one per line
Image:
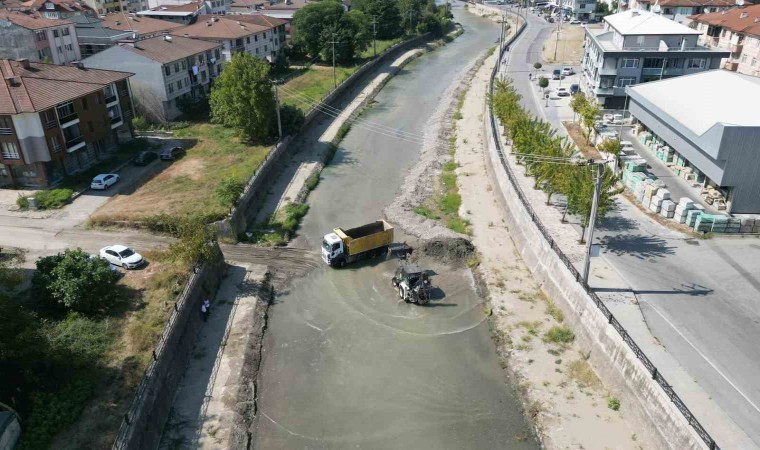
(170, 154)
(145, 158)
(557, 75)
(574, 89)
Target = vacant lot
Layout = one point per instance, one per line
(187, 186)
(568, 49)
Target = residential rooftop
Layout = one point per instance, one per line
(142, 25)
(185, 7)
(606, 41)
(31, 21)
(691, 3)
(720, 89)
(164, 13)
(73, 6)
(32, 86)
(224, 27)
(166, 49)
(638, 23)
(742, 20)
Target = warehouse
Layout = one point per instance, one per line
(708, 129)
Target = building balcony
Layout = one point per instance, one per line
(51, 124)
(74, 142)
(69, 117)
(115, 119)
(111, 99)
(731, 65)
(605, 90)
(6, 131)
(737, 48)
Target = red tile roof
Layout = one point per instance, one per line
(66, 5)
(734, 19)
(187, 7)
(31, 22)
(161, 50)
(222, 27)
(142, 25)
(692, 3)
(42, 86)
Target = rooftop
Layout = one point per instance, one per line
(141, 25)
(185, 7)
(734, 19)
(692, 3)
(65, 5)
(605, 39)
(162, 12)
(31, 22)
(719, 89)
(224, 27)
(165, 51)
(41, 86)
(637, 23)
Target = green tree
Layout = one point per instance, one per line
(543, 83)
(551, 177)
(242, 98)
(387, 14)
(612, 147)
(537, 65)
(589, 115)
(580, 195)
(578, 104)
(228, 191)
(196, 243)
(310, 23)
(351, 35)
(75, 281)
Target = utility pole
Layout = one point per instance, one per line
(277, 106)
(335, 77)
(592, 219)
(374, 34)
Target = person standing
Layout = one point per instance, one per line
(204, 311)
(207, 304)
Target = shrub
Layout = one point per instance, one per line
(294, 212)
(554, 311)
(342, 132)
(228, 191)
(559, 335)
(53, 198)
(450, 203)
(312, 181)
(426, 212)
(196, 241)
(22, 202)
(139, 123)
(613, 403)
(79, 337)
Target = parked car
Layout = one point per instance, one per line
(562, 92)
(617, 119)
(607, 118)
(567, 71)
(584, 23)
(122, 256)
(145, 158)
(557, 75)
(575, 22)
(574, 89)
(170, 154)
(104, 181)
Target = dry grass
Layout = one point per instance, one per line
(580, 371)
(187, 186)
(576, 134)
(569, 46)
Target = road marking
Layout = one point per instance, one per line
(704, 357)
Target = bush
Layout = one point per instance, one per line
(342, 132)
(450, 203)
(22, 202)
(139, 123)
(312, 181)
(53, 198)
(426, 212)
(196, 241)
(613, 403)
(228, 192)
(559, 335)
(81, 338)
(74, 281)
(292, 120)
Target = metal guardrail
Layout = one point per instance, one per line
(121, 437)
(648, 364)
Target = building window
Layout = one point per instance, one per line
(60, 50)
(248, 40)
(266, 49)
(744, 58)
(257, 50)
(55, 143)
(216, 53)
(626, 81)
(176, 67)
(65, 31)
(256, 38)
(171, 88)
(3, 170)
(179, 85)
(48, 119)
(653, 63)
(10, 150)
(55, 33)
(187, 81)
(41, 36)
(66, 112)
(640, 40)
(41, 54)
(754, 62)
(630, 63)
(184, 65)
(674, 63)
(167, 70)
(696, 63)
(203, 76)
(69, 47)
(5, 125)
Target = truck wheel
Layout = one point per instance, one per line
(341, 263)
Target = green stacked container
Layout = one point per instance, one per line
(692, 216)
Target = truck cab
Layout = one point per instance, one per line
(332, 249)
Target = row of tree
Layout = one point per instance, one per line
(549, 158)
(323, 26)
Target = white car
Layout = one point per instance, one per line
(122, 256)
(104, 181)
(567, 71)
(563, 92)
(575, 22)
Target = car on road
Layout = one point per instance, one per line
(574, 89)
(584, 23)
(567, 71)
(170, 154)
(104, 181)
(122, 256)
(557, 75)
(575, 22)
(562, 92)
(145, 158)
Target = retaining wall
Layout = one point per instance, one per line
(615, 362)
(144, 422)
(247, 207)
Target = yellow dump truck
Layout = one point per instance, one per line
(343, 247)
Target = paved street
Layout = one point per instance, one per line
(700, 298)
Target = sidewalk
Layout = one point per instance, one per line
(203, 410)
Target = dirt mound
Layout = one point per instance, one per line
(451, 251)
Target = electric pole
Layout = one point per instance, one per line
(277, 106)
(335, 77)
(592, 219)
(374, 34)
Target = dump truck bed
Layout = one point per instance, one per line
(366, 237)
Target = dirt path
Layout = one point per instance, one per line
(563, 396)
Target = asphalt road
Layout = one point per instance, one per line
(700, 298)
(345, 363)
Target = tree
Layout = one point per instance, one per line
(228, 191)
(291, 118)
(387, 14)
(580, 194)
(612, 147)
(148, 104)
(351, 35)
(242, 98)
(552, 177)
(194, 108)
(589, 115)
(196, 241)
(578, 103)
(310, 23)
(537, 65)
(75, 281)
(543, 83)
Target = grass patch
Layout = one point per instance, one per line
(53, 198)
(613, 403)
(189, 185)
(281, 226)
(532, 328)
(559, 335)
(554, 311)
(426, 212)
(580, 370)
(312, 181)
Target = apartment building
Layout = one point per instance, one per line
(37, 38)
(183, 14)
(58, 120)
(59, 9)
(110, 6)
(579, 9)
(636, 47)
(680, 10)
(98, 34)
(167, 69)
(257, 35)
(736, 31)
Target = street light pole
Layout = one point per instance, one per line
(335, 77)
(374, 34)
(592, 219)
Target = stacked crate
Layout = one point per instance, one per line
(668, 209)
(747, 225)
(693, 214)
(704, 223)
(720, 223)
(649, 192)
(658, 199)
(685, 204)
(733, 225)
